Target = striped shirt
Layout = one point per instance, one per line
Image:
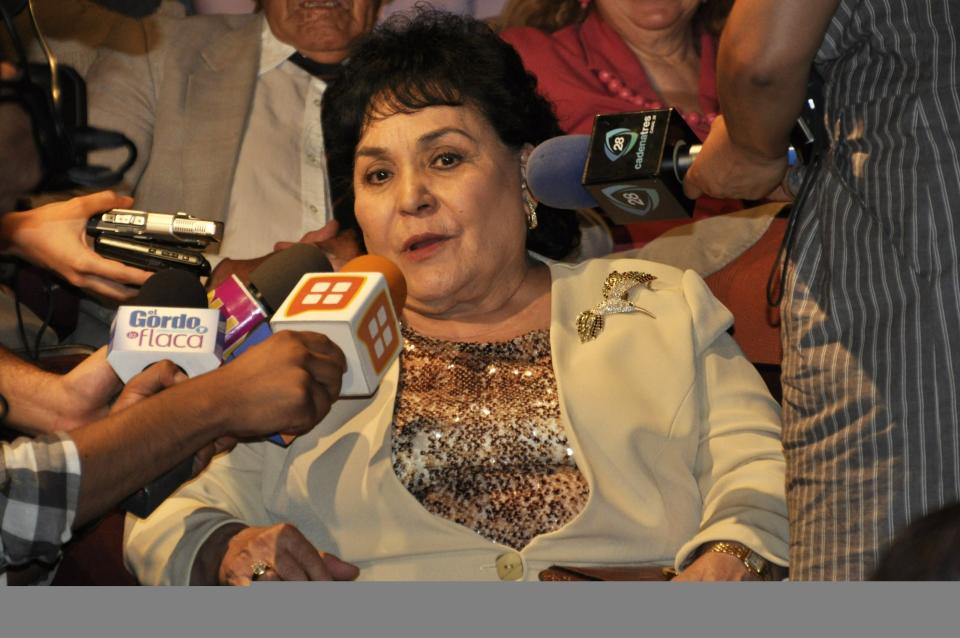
(39, 488)
(871, 370)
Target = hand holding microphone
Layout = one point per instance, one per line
(358, 309)
(286, 383)
(169, 329)
(724, 169)
(633, 166)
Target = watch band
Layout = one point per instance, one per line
(754, 562)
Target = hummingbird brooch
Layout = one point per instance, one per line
(615, 290)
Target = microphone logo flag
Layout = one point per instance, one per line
(238, 309)
(355, 311)
(141, 335)
(326, 293)
(376, 331)
(635, 200)
(619, 142)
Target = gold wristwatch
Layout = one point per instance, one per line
(754, 562)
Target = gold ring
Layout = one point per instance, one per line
(258, 569)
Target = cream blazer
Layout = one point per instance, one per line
(673, 429)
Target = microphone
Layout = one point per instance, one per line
(632, 166)
(357, 308)
(555, 170)
(244, 308)
(168, 319)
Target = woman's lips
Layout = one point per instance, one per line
(422, 246)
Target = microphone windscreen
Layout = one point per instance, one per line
(555, 172)
(390, 272)
(279, 273)
(171, 288)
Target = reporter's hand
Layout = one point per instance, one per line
(286, 384)
(157, 377)
(205, 454)
(724, 170)
(338, 247)
(54, 237)
(83, 394)
(716, 566)
(288, 553)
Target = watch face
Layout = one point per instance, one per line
(756, 562)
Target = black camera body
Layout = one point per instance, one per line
(153, 241)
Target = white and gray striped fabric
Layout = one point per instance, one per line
(871, 314)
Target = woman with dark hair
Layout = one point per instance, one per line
(539, 414)
(491, 81)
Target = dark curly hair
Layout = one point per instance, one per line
(434, 58)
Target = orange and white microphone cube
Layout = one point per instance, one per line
(354, 310)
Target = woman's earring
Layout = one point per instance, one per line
(584, 4)
(530, 205)
(528, 200)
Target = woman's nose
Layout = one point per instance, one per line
(415, 196)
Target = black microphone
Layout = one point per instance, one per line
(243, 308)
(632, 166)
(629, 166)
(168, 319)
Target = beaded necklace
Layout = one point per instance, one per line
(618, 88)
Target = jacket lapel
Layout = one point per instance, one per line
(218, 101)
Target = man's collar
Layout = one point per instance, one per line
(273, 52)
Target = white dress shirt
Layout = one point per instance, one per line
(280, 186)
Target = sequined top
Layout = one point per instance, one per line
(477, 436)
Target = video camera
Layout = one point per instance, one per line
(154, 241)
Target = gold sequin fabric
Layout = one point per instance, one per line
(477, 437)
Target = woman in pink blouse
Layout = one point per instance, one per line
(609, 56)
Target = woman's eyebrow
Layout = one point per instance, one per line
(424, 140)
(428, 138)
(371, 151)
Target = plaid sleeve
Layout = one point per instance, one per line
(39, 488)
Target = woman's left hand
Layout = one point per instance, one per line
(716, 566)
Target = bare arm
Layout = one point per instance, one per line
(287, 382)
(43, 402)
(764, 61)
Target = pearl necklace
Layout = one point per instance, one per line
(617, 87)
